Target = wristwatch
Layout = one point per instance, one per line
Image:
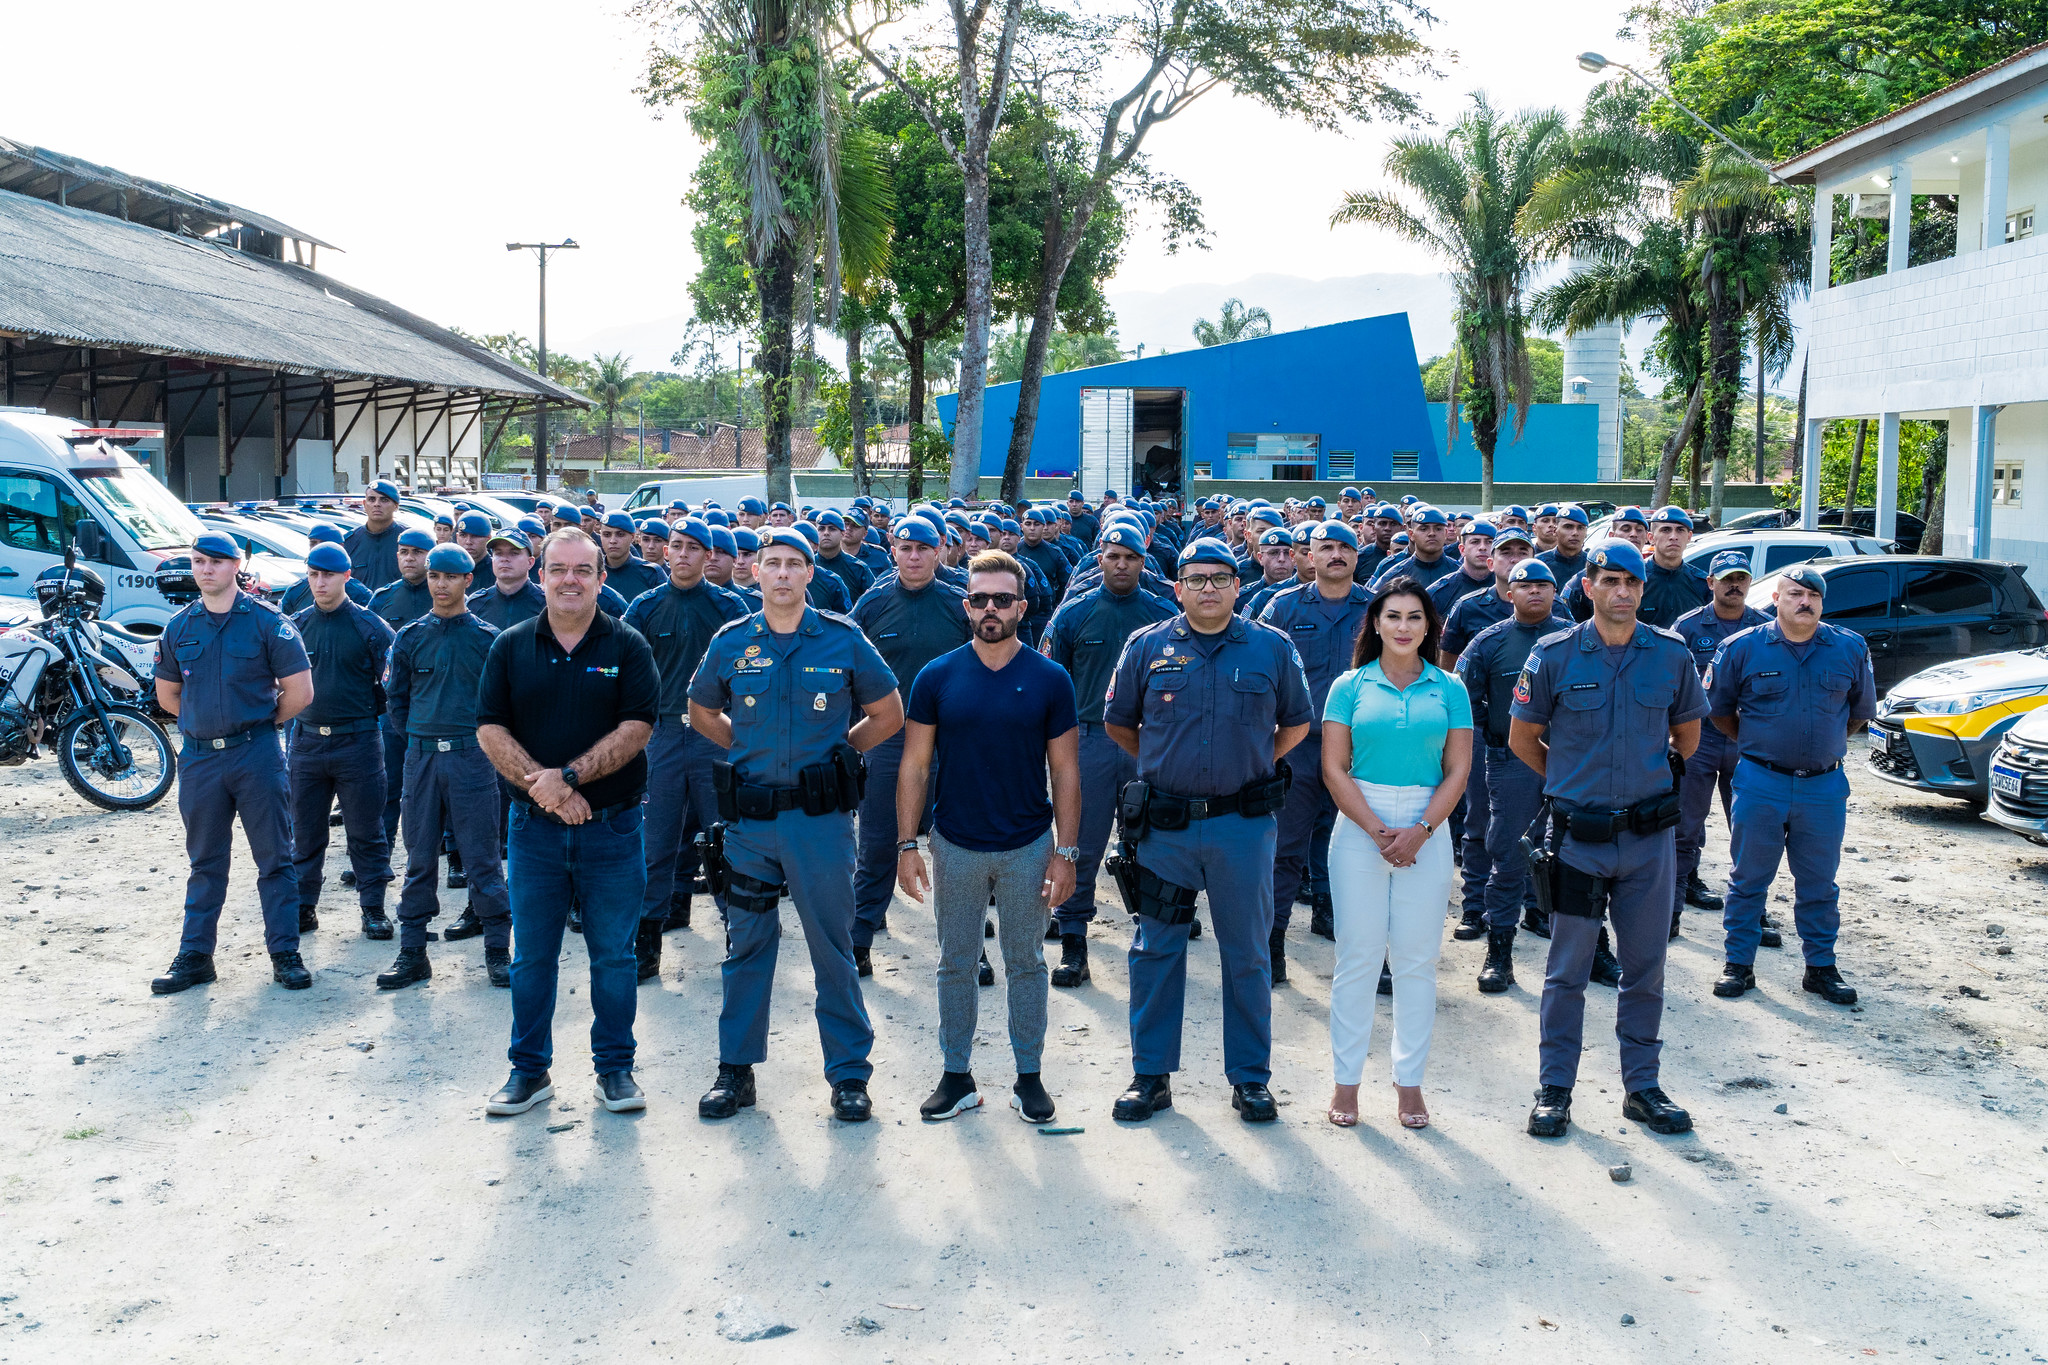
(569, 778)
(1072, 853)
(1427, 828)
(907, 846)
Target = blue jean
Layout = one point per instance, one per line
(874, 878)
(451, 790)
(1228, 857)
(1711, 768)
(1798, 819)
(678, 786)
(351, 767)
(1640, 866)
(1308, 802)
(1514, 795)
(214, 787)
(601, 865)
(1105, 768)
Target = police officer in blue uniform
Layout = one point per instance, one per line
(1208, 703)
(1673, 587)
(398, 604)
(1712, 765)
(1489, 666)
(1425, 561)
(1087, 526)
(299, 595)
(430, 686)
(1788, 694)
(911, 619)
(373, 546)
(1322, 618)
(1474, 572)
(512, 596)
(835, 557)
(793, 693)
(1598, 711)
(336, 752)
(625, 573)
(1086, 637)
(1567, 558)
(232, 670)
(678, 621)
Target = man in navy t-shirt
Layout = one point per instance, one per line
(996, 717)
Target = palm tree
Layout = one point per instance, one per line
(610, 383)
(1236, 323)
(1468, 188)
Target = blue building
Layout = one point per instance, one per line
(1341, 403)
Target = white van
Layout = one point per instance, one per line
(56, 475)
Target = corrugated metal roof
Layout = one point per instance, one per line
(85, 278)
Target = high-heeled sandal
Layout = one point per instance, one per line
(1343, 1119)
(1408, 1120)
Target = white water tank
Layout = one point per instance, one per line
(1592, 374)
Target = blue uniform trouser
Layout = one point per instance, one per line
(1640, 909)
(351, 767)
(597, 863)
(811, 853)
(678, 786)
(1227, 856)
(394, 779)
(874, 877)
(215, 786)
(1802, 820)
(1319, 852)
(1476, 860)
(1711, 768)
(451, 790)
(1308, 800)
(1514, 795)
(1105, 768)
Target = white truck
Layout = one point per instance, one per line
(58, 475)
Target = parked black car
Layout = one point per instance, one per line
(1917, 612)
(1863, 522)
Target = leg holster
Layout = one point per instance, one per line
(1580, 894)
(710, 845)
(1147, 893)
(750, 893)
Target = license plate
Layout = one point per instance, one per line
(1887, 741)
(2006, 782)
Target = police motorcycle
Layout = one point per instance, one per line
(63, 682)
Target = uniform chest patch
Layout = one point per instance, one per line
(1584, 687)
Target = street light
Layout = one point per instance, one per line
(1594, 63)
(540, 411)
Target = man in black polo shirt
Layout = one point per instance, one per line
(565, 707)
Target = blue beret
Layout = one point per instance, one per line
(1267, 515)
(1367, 492)
(828, 517)
(863, 501)
(1673, 516)
(1806, 576)
(413, 538)
(1011, 528)
(714, 517)
(1333, 530)
(1548, 509)
(385, 487)
(1301, 530)
(782, 507)
(1109, 495)
(1571, 511)
(450, 559)
(745, 540)
(956, 502)
(473, 524)
(722, 541)
(1481, 528)
(444, 519)
(328, 557)
(789, 539)
(1431, 516)
(323, 534)
(1409, 499)
(1532, 571)
(589, 514)
(754, 507)
(1635, 514)
(1514, 509)
(956, 520)
(217, 545)
(1074, 495)
(919, 529)
(1728, 562)
(530, 526)
(1124, 534)
(807, 531)
(1275, 535)
(1618, 555)
(679, 506)
(618, 521)
(696, 529)
(1400, 538)
(1208, 550)
(1349, 493)
(1508, 535)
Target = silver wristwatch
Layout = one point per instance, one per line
(1072, 853)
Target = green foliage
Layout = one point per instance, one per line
(835, 427)
(1918, 443)
(1546, 373)
(1234, 323)
(1861, 247)
(1066, 351)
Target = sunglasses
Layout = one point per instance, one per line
(982, 601)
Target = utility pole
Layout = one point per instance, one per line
(540, 410)
(640, 408)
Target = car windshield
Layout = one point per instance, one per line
(144, 507)
(266, 534)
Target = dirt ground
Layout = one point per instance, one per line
(244, 1173)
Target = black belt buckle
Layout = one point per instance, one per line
(1198, 808)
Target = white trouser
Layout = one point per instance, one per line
(1390, 914)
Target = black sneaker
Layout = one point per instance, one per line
(987, 975)
(1471, 926)
(1699, 894)
(1073, 968)
(730, 1093)
(1654, 1110)
(1029, 1099)
(1276, 953)
(956, 1094)
(1144, 1097)
(1254, 1103)
(498, 962)
(410, 966)
(1606, 967)
(376, 924)
(1553, 1112)
(186, 971)
(617, 1092)
(309, 919)
(850, 1102)
(1827, 983)
(466, 925)
(863, 960)
(289, 971)
(1737, 979)
(520, 1094)
(647, 948)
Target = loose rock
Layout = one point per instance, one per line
(1621, 1174)
(738, 1321)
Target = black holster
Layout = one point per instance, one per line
(750, 893)
(1122, 867)
(1134, 812)
(817, 786)
(711, 849)
(1543, 867)
(851, 773)
(1265, 795)
(1156, 897)
(1580, 894)
(725, 785)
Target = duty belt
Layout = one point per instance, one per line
(233, 741)
(351, 727)
(1204, 807)
(441, 746)
(1794, 772)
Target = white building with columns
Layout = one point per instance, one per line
(1963, 339)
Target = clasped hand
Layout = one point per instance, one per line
(557, 797)
(1399, 847)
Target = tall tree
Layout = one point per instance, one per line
(611, 382)
(1468, 188)
(1234, 322)
(1117, 69)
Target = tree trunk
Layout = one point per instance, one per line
(1692, 483)
(1724, 370)
(1044, 317)
(1486, 435)
(1759, 408)
(1855, 470)
(966, 474)
(777, 286)
(913, 356)
(856, 406)
(1936, 511)
(1799, 424)
(607, 441)
(1933, 478)
(1667, 467)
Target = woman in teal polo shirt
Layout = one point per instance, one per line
(1397, 744)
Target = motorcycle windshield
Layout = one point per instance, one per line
(143, 507)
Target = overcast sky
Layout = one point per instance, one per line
(422, 136)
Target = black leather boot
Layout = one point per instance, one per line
(1606, 969)
(1471, 926)
(1276, 950)
(730, 1093)
(647, 948)
(289, 971)
(309, 919)
(1737, 980)
(1499, 972)
(1552, 1113)
(411, 966)
(186, 971)
(457, 878)
(1073, 968)
(466, 925)
(1536, 922)
(376, 924)
(1698, 893)
(1321, 922)
(498, 962)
